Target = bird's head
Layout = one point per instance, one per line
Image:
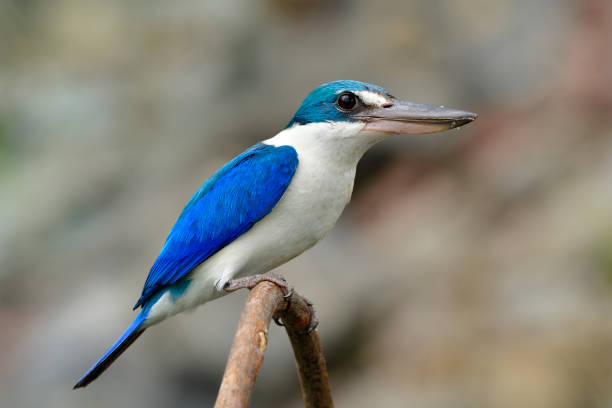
(375, 109)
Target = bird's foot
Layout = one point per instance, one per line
(249, 282)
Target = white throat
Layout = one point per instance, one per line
(343, 142)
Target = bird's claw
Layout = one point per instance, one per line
(314, 322)
(289, 292)
(278, 321)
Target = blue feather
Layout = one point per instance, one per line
(241, 193)
(122, 343)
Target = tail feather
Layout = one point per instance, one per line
(126, 339)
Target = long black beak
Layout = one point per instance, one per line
(413, 118)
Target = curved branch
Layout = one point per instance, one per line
(265, 302)
(308, 356)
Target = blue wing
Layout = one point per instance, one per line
(241, 193)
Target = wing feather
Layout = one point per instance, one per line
(227, 205)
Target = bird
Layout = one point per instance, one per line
(273, 201)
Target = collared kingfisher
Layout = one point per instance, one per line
(273, 201)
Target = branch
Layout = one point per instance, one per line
(308, 357)
(265, 302)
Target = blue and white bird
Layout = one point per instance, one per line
(273, 201)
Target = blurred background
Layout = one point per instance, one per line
(473, 268)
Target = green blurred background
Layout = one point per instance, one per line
(472, 268)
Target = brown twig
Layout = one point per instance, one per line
(265, 302)
(309, 359)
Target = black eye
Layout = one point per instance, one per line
(347, 101)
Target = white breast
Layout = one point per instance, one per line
(320, 189)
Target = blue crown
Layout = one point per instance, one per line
(320, 104)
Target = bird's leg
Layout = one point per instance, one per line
(249, 282)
